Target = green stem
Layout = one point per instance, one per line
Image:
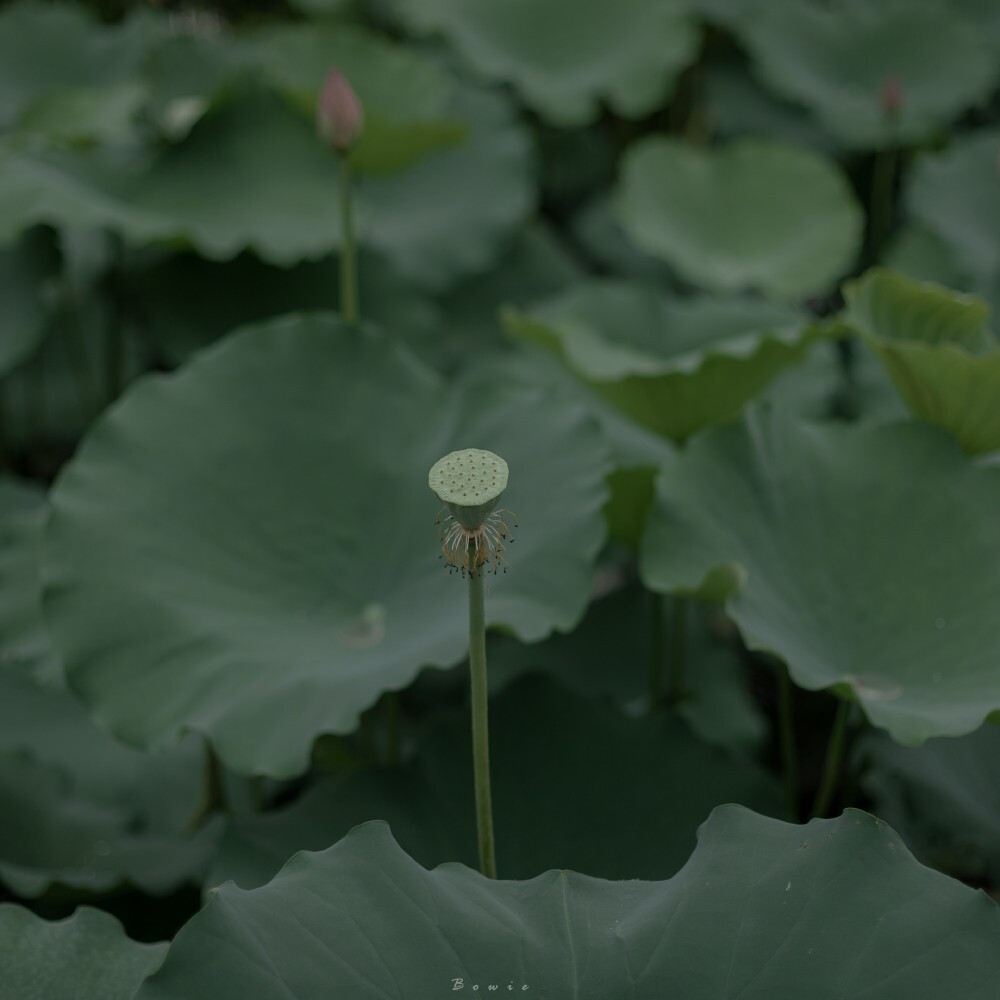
(213, 798)
(348, 250)
(831, 765)
(880, 208)
(656, 651)
(480, 727)
(786, 736)
(678, 643)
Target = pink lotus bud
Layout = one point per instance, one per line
(892, 95)
(339, 115)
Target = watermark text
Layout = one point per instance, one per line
(508, 987)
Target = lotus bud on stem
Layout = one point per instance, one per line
(339, 122)
(474, 538)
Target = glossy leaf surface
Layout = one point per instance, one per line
(760, 906)
(814, 538)
(562, 766)
(85, 957)
(876, 75)
(938, 350)
(250, 606)
(674, 367)
(748, 215)
(567, 56)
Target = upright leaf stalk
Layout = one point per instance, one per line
(480, 726)
(474, 536)
(339, 122)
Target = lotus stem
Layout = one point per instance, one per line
(474, 539)
(880, 209)
(480, 726)
(348, 249)
(831, 765)
(786, 739)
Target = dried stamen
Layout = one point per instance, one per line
(475, 550)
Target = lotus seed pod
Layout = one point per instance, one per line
(469, 483)
(473, 533)
(339, 115)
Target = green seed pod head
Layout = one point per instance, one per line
(469, 483)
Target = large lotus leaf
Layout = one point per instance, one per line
(82, 189)
(751, 214)
(567, 56)
(893, 307)
(814, 538)
(674, 367)
(265, 609)
(562, 766)
(924, 256)
(66, 76)
(938, 350)
(85, 957)
(102, 115)
(636, 452)
(183, 302)
(84, 811)
(955, 195)
(760, 908)
(252, 174)
(57, 835)
(450, 215)
(942, 799)
(838, 60)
